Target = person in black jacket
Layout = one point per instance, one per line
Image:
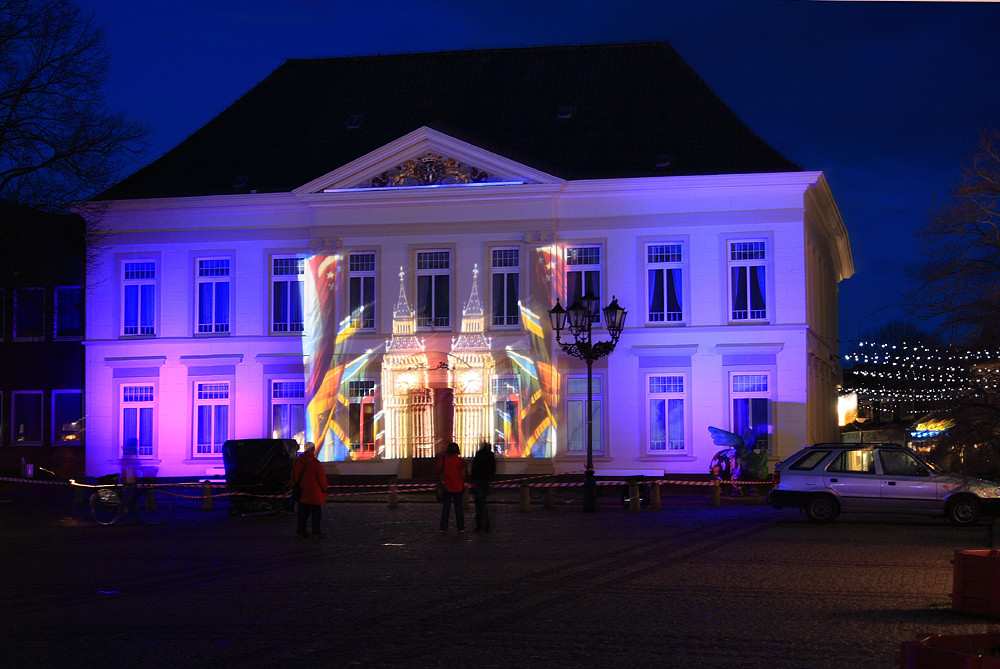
(484, 466)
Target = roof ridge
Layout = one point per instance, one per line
(594, 111)
(540, 47)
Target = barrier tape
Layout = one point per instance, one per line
(177, 494)
(13, 480)
(420, 485)
(381, 485)
(372, 492)
(144, 484)
(383, 488)
(747, 482)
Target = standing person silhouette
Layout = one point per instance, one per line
(484, 466)
(131, 473)
(308, 473)
(452, 471)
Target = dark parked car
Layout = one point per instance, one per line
(826, 479)
(260, 469)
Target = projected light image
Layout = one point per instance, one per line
(416, 392)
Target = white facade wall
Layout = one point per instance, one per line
(702, 213)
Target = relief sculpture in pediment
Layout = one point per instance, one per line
(429, 169)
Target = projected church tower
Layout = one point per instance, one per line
(431, 398)
(472, 369)
(404, 385)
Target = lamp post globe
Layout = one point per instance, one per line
(859, 422)
(614, 318)
(557, 318)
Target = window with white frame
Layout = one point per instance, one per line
(752, 406)
(67, 416)
(139, 297)
(287, 289)
(68, 312)
(434, 289)
(665, 394)
(576, 413)
(748, 280)
(506, 414)
(505, 278)
(361, 289)
(583, 276)
(137, 420)
(29, 313)
(212, 291)
(26, 416)
(361, 416)
(288, 410)
(664, 284)
(211, 408)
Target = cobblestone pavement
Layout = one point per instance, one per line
(739, 586)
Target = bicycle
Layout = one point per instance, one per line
(145, 504)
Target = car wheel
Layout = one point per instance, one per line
(822, 508)
(964, 510)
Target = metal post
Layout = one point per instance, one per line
(525, 497)
(206, 496)
(633, 497)
(581, 317)
(589, 482)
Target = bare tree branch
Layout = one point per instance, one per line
(959, 284)
(58, 141)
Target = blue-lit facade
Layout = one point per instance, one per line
(399, 302)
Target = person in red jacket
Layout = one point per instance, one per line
(309, 475)
(452, 471)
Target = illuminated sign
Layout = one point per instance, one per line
(931, 428)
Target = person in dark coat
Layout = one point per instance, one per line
(484, 466)
(308, 473)
(452, 471)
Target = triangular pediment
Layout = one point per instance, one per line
(422, 158)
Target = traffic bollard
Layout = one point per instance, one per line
(206, 496)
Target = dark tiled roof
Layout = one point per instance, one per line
(632, 106)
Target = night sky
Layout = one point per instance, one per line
(886, 98)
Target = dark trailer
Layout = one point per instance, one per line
(259, 468)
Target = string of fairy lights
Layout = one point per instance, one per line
(918, 373)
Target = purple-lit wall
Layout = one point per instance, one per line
(151, 383)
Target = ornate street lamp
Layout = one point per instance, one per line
(579, 319)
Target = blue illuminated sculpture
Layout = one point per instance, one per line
(742, 459)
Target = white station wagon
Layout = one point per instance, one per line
(826, 479)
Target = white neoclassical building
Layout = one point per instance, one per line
(384, 294)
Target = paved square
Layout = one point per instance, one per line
(685, 586)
